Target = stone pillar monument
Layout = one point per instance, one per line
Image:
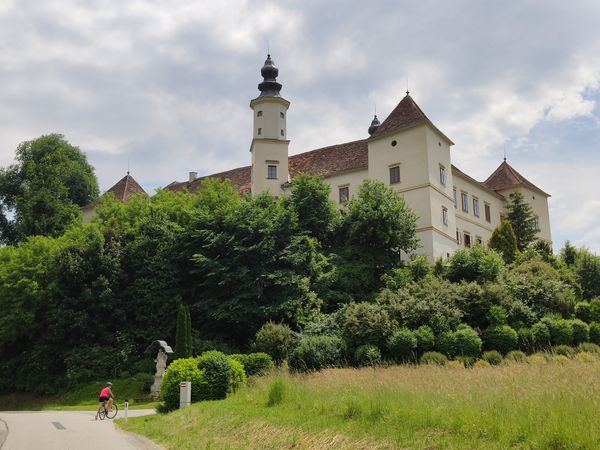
(162, 351)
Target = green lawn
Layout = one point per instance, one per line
(521, 406)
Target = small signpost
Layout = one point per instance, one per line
(185, 394)
(126, 409)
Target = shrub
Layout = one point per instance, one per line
(581, 331)
(274, 340)
(588, 347)
(316, 353)
(595, 333)
(515, 356)
(466, 341)
(583, 311)
(561, 331)
(254, 363)
(537, 358)
(433, 358)
(217, 373)
(526, 339)
(466, 361)
(367, 355)
(238, 376)
(481, 363)
(178, 371)
(541, 335)
(365, 323)
(497, 316)
(561, 359)
(595, 310)
(402, 345)
(586, 357)
(501, 338)
(455, 364)
(493, 357)
(276, 393)
(425, 339)
(564, 350)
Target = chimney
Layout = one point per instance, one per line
(193, 176)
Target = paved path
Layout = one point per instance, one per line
(67, 430)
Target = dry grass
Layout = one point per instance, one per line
(525, 406)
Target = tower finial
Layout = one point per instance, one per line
(269, 87)
(407, 91)
(504, 152)
(374, 124)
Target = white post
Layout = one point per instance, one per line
(185, 394)
(126, 409)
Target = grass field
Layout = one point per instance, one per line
(521, 406)
(82, 398)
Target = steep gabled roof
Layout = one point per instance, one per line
(506, 177)
(326, 161)
(457, 171)
(406, 114)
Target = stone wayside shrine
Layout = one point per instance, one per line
(162, 351)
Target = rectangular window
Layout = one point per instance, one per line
(465, 201)
(344, 194)
(272, 172)
(445, 215)
(536, 222)
(458, 237)
(476, 206)
(455, 198)
(442, 175)
(467, 240)
(488, 214)
(394, 174)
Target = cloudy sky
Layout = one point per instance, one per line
(166, 84)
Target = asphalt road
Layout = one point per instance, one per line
(67, 430)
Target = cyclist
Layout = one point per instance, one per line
(106, 397)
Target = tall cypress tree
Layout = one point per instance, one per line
(181, 342)
(522, 219)
(188, 331)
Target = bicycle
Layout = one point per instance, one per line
(111, 414)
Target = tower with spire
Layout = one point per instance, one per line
(269, 146)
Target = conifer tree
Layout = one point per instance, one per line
(188, 331)
(504, 241)
(522, 219)
(181, 333)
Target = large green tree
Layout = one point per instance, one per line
(504, 241)
(521, 217)
(41, 193)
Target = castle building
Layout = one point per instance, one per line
(406, 151)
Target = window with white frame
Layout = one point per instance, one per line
(395, 174)
(442, 175)
(445, 215)
(465, 201)
(488, 213)
(476, 206)
(458, 237)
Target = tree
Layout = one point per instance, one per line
(504, 241)
(41, 193)
(568, 254)
(183, 334)
(316, 213)
(522, 219)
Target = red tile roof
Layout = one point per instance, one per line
(506, 177)
(326, 161)
(457, 171)
(123, 190)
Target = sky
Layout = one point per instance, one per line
(163, 87)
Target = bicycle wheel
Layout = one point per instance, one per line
(112, 414)
(101, 413)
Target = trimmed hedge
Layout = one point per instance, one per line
(183, 369)
(217, 372)
(315, 353)
(463, 342)
(254, 363)
(238, 376)
(433, 358)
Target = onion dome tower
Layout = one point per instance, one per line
(269, 144)
(374, 124)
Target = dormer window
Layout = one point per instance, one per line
(259, 114)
